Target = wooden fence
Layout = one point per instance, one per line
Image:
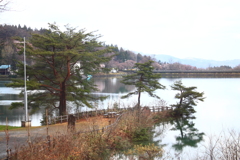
(79, 115)
(121, 111)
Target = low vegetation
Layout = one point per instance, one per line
(94, 144)
(4, 127)
(124, 139)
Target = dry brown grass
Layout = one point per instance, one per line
(83, 124)
(61, 143)
(57, 142)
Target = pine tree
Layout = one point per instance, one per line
(59, 61)
(144, 79)
(13, 62)
(139, 57)
(187, 97)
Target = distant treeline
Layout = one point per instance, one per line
(8, 51)
(123, 59)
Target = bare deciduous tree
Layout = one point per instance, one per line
(3, 5)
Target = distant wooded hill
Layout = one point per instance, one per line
(8, 50)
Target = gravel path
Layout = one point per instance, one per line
(19, 137)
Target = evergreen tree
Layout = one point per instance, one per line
(115, 49)
(13, 62)
(144, 79)
(25, 27)
(59, 61)
(187, 97)
(139, 57)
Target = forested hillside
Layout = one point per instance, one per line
(8, 50)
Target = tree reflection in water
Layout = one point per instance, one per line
(189, 135)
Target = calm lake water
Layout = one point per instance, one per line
(220, 110)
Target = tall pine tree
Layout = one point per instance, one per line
(187, 97)
(144, 79)
(60, 62)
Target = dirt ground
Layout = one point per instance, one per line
(18, 137)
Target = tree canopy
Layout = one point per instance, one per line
(144, 80)
(60, 62)
(188, 98)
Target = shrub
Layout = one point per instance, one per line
(141, 134)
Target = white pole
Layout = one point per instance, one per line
(25, 87)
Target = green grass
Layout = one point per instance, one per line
(4, 127)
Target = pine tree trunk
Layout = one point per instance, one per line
(139, 97)
(63, 104)
(138, 107)
(63, 99)
(180, 128)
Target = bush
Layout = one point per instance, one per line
(141, 134)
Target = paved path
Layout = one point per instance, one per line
(20, 136)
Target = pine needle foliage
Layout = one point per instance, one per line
(60, 62)
(187, 97)
(144, 80)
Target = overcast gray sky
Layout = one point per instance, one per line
(208, 29)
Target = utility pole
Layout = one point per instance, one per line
(27, 122)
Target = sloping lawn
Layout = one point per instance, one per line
(3, 127)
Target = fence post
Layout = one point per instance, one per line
(61, 118)
(71, 122)
(49, 120)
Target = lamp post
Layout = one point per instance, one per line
(27, 122)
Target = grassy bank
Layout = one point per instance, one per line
(4, 127)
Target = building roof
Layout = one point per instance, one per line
(5, 66)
